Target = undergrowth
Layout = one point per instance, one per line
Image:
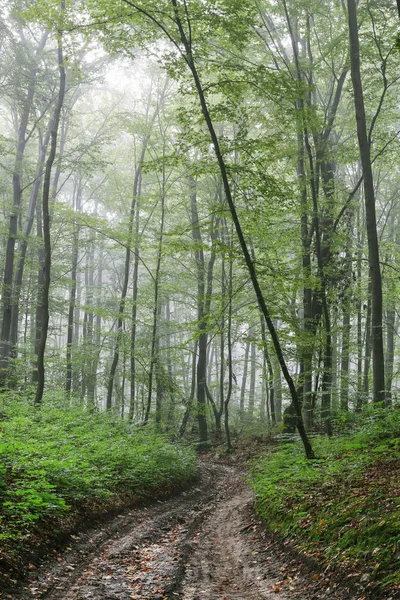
(344, 507)
(61, 460)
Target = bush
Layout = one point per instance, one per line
(62, 459)
(343, 507)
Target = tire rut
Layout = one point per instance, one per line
(141, 553)
(204, 544)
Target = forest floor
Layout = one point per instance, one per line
(204, 544)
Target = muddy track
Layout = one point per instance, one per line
(204, 544)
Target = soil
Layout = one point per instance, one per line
(205, 544)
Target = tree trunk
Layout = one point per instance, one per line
(360, 244)
(189, 58)
(370, 214)
(229, 344)
(252, 389)
(121, 309)
(204, 290)
(8, 273)
(171, 403)
(390, 346)
(46, 220)
(367, 356)
(155, 340)
(72, 296)
(135, 290)
(269, 374)
(95, 357)
(244, 379)
(135, 197)
(345, 359)
(189, 402)
(19, 273)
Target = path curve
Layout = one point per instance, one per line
(204, 544)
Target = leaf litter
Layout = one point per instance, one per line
(205, 544)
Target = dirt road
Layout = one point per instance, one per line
(204, 544)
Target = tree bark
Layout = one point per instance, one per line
(367, 356)
(390, 347)
(19, 273)
(370, 213)
(244, 379)
(269, 374)
(8, 273)
(229, 345)
(185, 47)
(155, 340)
(121, 309)
(46, 220)
(189, 402)
(72, 295)
(252, 389)
(135, 290)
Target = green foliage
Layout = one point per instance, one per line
(64, 458)
(342, 508)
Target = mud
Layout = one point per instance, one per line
(205, 544)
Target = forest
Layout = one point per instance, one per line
(199, 269)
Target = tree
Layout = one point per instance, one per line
(370, 211)
(22, 137)
(181, 38)
(44, 301)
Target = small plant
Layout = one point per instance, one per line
(342, 508)
(63, 460)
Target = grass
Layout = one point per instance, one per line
(343, 508)
(61, 462)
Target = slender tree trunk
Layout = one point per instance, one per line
(121, 309)
(7, 288)
(46, 220)
(72, 296)
(171, 403)
(390, 347)
(204, 290)
(230, 358)
(160, 393)
(135, 290)
(189, 402)
(360, 244)
(90, 349)
(252, 389)
(189, 58)
(309, 323)
(135, 196)
(346, 330)
(92, 380)
(345, 361)
(321, 251)
(19, 273)
(335, 352)
(244, 380)
(155, 341)
(370, 213)
(367, 356)
(222, 348)
(39, 287)
(269, 374)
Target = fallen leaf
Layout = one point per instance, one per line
(277, 589)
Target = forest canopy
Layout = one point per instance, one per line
(200, 210)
